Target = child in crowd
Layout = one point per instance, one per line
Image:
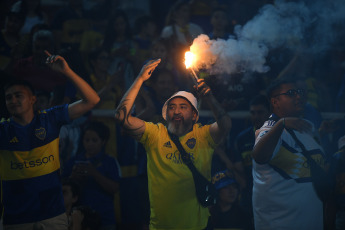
(227, 214)
(96, 172)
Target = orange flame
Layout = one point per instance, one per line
(189, 59)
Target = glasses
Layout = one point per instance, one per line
(293, 93)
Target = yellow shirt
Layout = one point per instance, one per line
(171, 187)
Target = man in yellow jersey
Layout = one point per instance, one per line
(173, 200)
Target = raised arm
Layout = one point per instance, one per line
(133, 126)
(89, 97)
(222, 126)
(264, 148)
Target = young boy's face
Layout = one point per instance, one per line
(19, 100)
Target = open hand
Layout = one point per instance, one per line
(298, 124)
(148, 69)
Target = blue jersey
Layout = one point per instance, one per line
(30, 167)
(93, 195)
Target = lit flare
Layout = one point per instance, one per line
(189, 61)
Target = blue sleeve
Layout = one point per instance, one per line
(66, 169)
(113, 169)
(59, 114)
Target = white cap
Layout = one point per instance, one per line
(186, 95)
(341, 142)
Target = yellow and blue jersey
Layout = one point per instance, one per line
(172, 195)
(30, 167)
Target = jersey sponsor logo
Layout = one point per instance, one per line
(14, 140)
(41, 133)
(32, 163)
(191, 143)
(167, 144)
(17, 165)
(175, 157)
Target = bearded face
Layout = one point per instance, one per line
(180, 116)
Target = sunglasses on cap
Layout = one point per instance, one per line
(292, 93)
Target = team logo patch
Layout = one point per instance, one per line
(191, 143)
(40, 133)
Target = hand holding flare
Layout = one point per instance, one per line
(189, 58)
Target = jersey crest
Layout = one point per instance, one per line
(191, 143)
(41, 133)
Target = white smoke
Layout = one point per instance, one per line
(297, 26)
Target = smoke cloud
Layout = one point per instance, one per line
(303, 26)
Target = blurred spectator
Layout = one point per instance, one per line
(118, 40)
(178, 26)
(259, 108)
(70, 94)
(160, 48)
(10, 36)
(311, 111)
(330, 131)
(25, 45)
(97, 13)
(85, 218)
(200, 13)
(223, 159)
(70, 139)
(98, 9)
(110, 89)
(180, 31)
(134, 9)
(69, 23)
(34, 68)
(71, 195)
(42, 100)
(220, 24)
(227, 213)
(32, 9)
(97, 173)
(151, 99)
(146, 31)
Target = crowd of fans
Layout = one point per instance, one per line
(107, 42)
